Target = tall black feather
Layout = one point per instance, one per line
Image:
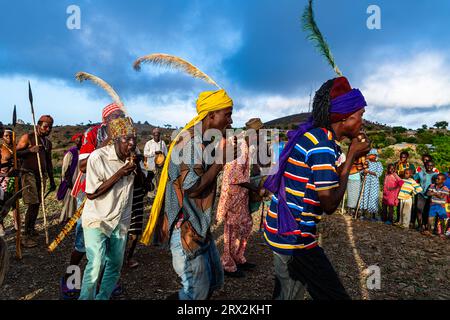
(315, 36)
(30, 96)
(14, 119)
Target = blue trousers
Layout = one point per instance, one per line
(102, 251)
(201, 273)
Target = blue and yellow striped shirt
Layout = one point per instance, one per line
(311, 168)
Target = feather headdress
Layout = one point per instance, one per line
(170, 61)
(315, 36)
(83, 76)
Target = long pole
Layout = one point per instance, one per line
(16, 189)
(39, 164)
(67, 228)
(360, 195)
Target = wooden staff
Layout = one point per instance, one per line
(30, 95)
(67, 228)
(16, 189)
(261, 222)
(365, 166)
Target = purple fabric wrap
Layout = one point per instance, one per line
(275, 183)
(64, 186)
(348, 103)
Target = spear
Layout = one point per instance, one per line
(30, 95)
(16, 187)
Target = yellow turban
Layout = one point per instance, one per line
(207, 102)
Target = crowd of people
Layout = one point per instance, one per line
(107, 178)
(418, 198)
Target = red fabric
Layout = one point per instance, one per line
(89, 144)
(340, 86)
(110, 108)
(90, 140)
(76, 136)
(46, 118)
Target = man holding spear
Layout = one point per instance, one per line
(35, 151)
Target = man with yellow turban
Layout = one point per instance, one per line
(189, 186)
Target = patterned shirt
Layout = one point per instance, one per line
(425, 179)
(441, 197)
(182, 177)
(311, 167)
(409, 189)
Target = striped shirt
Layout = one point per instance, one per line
(409, 189)
(441, 197)
(311, 167)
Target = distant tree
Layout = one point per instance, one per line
(422, 149)
(441, 125)
(424, 127)
(168, 126)
(411, 140)
(441, 153)
(388, 153)
(399, 130)
(425, 137)
(390, 141)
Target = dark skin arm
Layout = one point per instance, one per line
(48, 158)
(330, 199)
(210, 175)
(83, 164)
(23, 146)
(108, 184)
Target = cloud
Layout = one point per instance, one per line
(408, 89)
(267, 107)
(420, 81)
(50, 96)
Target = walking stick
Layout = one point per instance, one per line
(30, 95)
(343, 203)
(360, 195)
(261, 222)
(16, 188)
(67, 228)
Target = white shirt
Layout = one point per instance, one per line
(151, 147)
(114, 207)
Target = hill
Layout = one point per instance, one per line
(292, 121)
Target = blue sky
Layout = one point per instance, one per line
(255, 49)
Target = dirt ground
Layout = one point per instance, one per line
(412, 266)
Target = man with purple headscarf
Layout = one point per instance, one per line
(312, 179)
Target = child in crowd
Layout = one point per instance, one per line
(439, 196)
(425, 179)
(409, 188)
(392, 185)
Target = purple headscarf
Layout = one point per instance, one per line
(345, 104)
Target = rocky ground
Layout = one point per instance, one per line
(411, 266)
